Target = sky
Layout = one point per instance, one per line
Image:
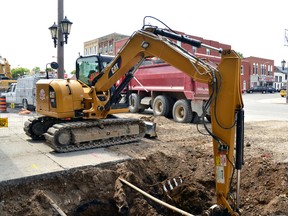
(251, 27)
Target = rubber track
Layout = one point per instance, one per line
(97, 124)
(44, 121)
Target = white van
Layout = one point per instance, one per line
(23, 93)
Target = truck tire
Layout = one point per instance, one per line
(27, 106)
(134, 103)
(182, 111)
(161, 106)
(195, 118)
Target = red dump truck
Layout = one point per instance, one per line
(168, 92)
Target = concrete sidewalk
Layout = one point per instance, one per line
(21, 157)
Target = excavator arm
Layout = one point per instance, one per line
(226, 105)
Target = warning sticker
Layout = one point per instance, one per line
(42, 94)
(221, 160)
(220, 174)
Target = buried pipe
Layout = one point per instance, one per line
(52, 203)
(155, 199)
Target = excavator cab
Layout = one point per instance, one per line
(87, 65)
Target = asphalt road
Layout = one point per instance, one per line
(260, 107)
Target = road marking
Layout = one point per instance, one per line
(35, 166)
(274, 100)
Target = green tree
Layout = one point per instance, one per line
(73, 72)
(49, 69)
(240, 55)
(36, 70)
(20, 71)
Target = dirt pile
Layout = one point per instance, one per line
(180, 153)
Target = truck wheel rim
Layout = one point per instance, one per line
(159, 108)
(179, 112)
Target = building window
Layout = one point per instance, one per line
(208, 52)
(106, 49)
(111, 48)
(100, 50)
(261, 69)
(194, 49)
(254, 68)
(276, 78)
(256, 72)
(244, 85)
(269, 69)
(280, 79)
(242, 70)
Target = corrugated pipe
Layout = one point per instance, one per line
(155, 199)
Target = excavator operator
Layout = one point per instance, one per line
(92, 75)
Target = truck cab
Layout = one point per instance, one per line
(23, 93)
(10, 94)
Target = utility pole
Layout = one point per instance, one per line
(60, 49)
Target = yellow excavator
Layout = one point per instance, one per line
(5, 68)
(76, 115)
(5, 75)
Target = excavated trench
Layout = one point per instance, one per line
(98, 190)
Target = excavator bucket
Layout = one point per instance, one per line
(150, 129)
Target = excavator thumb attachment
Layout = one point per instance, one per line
(150, 129)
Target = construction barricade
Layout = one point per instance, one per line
(3, 106)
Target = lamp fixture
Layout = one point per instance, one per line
(54, 31)
(65, 28)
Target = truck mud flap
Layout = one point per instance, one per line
(150, 129)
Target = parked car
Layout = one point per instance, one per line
(283, 93)
(271, 89)
(262, 89)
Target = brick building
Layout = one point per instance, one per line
(261, 71)
(103, 45)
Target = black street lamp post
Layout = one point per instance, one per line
(57, 34)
